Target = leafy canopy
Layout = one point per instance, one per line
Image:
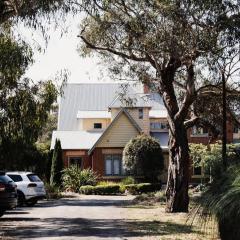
(142, 155)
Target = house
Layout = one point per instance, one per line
(95, 123)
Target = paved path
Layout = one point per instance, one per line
(81, 217)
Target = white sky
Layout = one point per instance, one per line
(61, 53)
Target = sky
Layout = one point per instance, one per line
(61, 53)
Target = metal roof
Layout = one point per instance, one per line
(132, 100)
(85, 97)
(75, 139)
(93, 114)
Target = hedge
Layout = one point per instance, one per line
(118, 189)
(143, 188)
(101, 190)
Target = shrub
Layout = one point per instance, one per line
(52, 191)
(128, 180)
(101, 190)
(74, 178)
(142, 155)
(143, 188)
(57, 164)
(221, 201)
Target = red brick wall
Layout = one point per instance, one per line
(98, 160)
(77, 153)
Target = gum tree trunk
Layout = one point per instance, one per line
(178, 171)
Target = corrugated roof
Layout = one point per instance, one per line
(75, 139)
(85, 97)
(131, 100)
(93, 114)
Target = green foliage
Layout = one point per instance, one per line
(101, 189)
(143, 188)
(57, 165)
(142, 155)
(128, 180)
(73, 178)
(53, 191)
(210, 157)
(221, 201)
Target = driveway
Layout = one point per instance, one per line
(80, 217)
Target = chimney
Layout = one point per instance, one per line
(145, 88)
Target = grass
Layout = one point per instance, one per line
(149, 210)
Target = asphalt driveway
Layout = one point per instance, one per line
(80, 217)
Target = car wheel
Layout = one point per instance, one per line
(2, 211)
(31, 203)
(20, 198)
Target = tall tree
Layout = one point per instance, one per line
(57, 164)
(164, 44)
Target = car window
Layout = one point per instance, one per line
(5, 179)
(15, 178)
(33, 178)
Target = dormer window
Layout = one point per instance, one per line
(97, 125)
(140, 113)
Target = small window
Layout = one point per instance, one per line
(97, 125)
(75, 161)
(33, 178)
(197, 171)
(199, 131)
(140, 113)
(235, 129)
(158, 125)
(15, 178)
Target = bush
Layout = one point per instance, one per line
(52, 191)
(74, 178)
(143, 188)
(128, 180)
(101, 190)
(143, 156)
(221, 201)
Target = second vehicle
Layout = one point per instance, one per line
(30, 187)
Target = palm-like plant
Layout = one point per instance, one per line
(222, 201)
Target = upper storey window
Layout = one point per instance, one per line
(140, 113)
(97, 125)
(158, 125)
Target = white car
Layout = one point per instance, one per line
(30, 187)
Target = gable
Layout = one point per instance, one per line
(119, 134)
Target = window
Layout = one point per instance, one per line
(33, 178)
(97, 125)
(235, 129)
(75, 161)
(15, 178)
(197, 171)
(113, 164)
(140, 113)
(5, 179)
(199, 131)
(158, 125)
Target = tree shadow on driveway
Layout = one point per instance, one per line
(102, 228)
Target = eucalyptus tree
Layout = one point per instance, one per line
(164, 44)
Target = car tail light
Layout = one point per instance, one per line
(32, 185)
(2, 187)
